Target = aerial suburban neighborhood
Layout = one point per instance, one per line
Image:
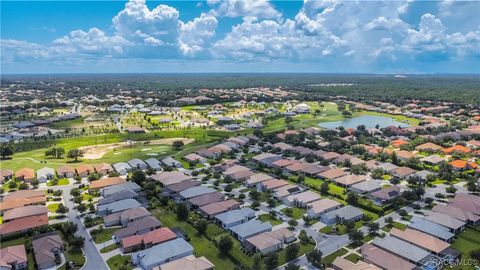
(240, 135)
(332, 183)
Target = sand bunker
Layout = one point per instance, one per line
(99, 150)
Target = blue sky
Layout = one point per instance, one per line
(240, 36)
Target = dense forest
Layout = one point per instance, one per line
(453, 88)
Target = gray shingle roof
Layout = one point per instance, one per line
(251, 227)
(401, 248)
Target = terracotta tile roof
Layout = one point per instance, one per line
(106, 182)
(25, 211)
(398, 143)
(457, 148)
(384, 259)
(219, 207)
(420, 239)
(84, 168)
(429, 146)
(12, 255)
(43, 247)
(65, 169)
(462, 164)
(333, 173)
(102, 167)
(25, 173)
(150, 238)
(22, 224)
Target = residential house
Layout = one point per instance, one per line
(125, 217)
(257, 178)
(457, 148)
(301, 199)
(171, 162)
(365, 187)
(383, 259)
(463, 165)
(205, 199)
(235, 217)
(192, 157)
(176, 188)
(402, 172)
(431, 228)
(268, 242)
(138, 227)
(402, 249)
(284, 191)
(122, 168)
(106, 182)
(83, 170)
(333, 174)
(266, 158)
(404, 155)
(154, 164)
(169, 178)
(118, 206)
(343, 264)
(385, 195)
(112, 189)
(271, 184)
(458, 213)
(341, 215)
(66, 171)
(5, 175)
(162, 253)
(137, 164)
(146, 240)
(317, 208)
(45, 174)
(25, 174)
(21, 198)
(349, 180)
(188, 262)
(13, 257)
(47, 249)
(421, 240)
(194, 192)
(22, 225)
(103, 168)
(249, 229)
(24, 211)
(213, 209)
(447, 221)
(118, 196)
(429, 147)
(432, 160)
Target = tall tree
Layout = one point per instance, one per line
(75, 154)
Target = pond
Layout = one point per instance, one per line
(369, 121)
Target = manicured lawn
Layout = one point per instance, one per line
(61, 182)
(76, 256)
(12, 242)
(353, 257)
(395, 224)
(109, 248)
(303, 249)
(118, 260)
(53, 207)
(466, 241)
(1, 219)
(203, 246)
(268, 218)
(330, 258)
(104, 235)
(297, 213)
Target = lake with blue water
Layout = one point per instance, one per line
(369, 121)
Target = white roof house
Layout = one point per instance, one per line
(122, 168)
(137, 164)
(45, 173)
(154, 164)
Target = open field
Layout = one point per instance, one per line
(466, 242)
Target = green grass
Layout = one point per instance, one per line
(32, 154)
(104, 235)
(330, 258)
(76, 256)
(297, 213)
(395, 224)
(202, 245)
(466, 242)
(1, 219)
(53, 207)
(353, 257)
(282, 258)
(61, 182)
(118, 260)
(109, 248)
(268, 218)
(13, 242)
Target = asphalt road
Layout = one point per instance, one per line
(94, 260)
